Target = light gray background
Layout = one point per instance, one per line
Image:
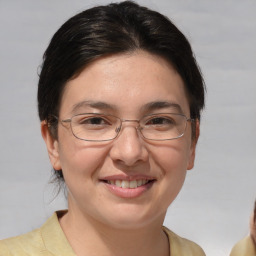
(214, 206)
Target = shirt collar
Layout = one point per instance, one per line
(54, 238)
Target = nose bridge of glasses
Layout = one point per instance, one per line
(137, 127)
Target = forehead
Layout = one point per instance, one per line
(127, 82)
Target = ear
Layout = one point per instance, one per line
(193, 146)
(52, 146)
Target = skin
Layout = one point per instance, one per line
(99, 222)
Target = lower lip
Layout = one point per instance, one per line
(129, 192)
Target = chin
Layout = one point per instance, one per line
(130, 218)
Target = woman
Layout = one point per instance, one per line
(119, 98)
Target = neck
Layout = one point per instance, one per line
(89, 237)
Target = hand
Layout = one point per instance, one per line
(253, 225)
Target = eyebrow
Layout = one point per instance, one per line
(93, 104)
(151, 106)
(156, 105)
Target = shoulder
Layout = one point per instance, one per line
(48, 240)
(245, 247)
(180, 246)
(27, 244)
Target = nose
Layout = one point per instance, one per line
(129, 147)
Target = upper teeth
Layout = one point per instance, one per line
(127, 183)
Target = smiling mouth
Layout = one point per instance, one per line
(128, 183)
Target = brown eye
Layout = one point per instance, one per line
(94, 121)
(160, 121)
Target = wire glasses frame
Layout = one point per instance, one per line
(102, 127)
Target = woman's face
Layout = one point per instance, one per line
(127, 86)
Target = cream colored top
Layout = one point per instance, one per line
(245, 247)
(49, 240)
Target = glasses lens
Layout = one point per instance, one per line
(163, 126)
(95, 127)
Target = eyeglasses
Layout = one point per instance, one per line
(101, 127)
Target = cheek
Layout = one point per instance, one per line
(79, 159)
(173, 165)
(80, 167)
(172, 158)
